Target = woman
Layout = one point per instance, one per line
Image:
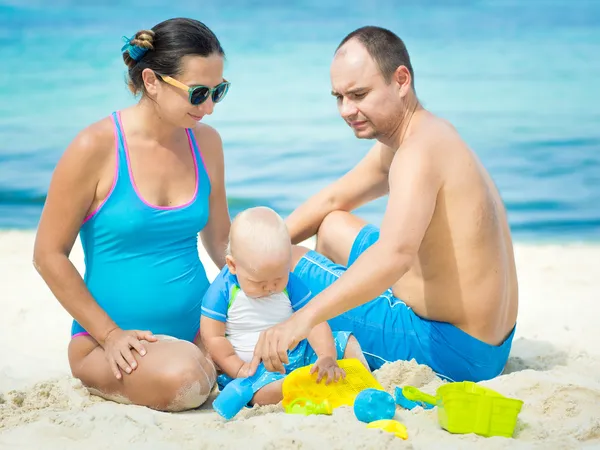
(139, 186)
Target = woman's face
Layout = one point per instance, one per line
(173, 101)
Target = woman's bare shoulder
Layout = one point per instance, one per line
(94, 141)
(87, 156)
(210, 144)
(207, 135)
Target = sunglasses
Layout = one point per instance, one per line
(199, 94)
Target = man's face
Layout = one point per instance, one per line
(368, 104)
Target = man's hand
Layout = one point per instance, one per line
(327, 367)
(274, 343)
(244, 371)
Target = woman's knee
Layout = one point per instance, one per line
(172, 376)
(83, 354)
(185, 385)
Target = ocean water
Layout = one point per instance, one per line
(520, 80)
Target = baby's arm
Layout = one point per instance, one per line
(212, 333)
(321, 340)
(326, 366)
(212, 325)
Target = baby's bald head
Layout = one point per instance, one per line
(259, 252)
(259, 235)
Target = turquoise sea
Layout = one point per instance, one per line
(519, 79)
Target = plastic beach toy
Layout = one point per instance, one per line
(402, 401)
(467, 407)
(237, 394)
(391, 426)
(302, 384)
(373, 405)
(306, 407)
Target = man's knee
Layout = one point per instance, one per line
(332, 224)
(337, 234)
(297, 253)
(353, 350)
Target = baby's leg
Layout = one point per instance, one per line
(353, 350)
(271, 394)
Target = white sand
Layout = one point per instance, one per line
(554, 368)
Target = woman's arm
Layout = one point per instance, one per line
(71, 194)
(77, 186)
(215, 234)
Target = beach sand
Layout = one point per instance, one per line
(554, 368)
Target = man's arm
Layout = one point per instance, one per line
(320, 338)
(365, 182)
(414, 186)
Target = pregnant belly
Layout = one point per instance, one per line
(155, 300)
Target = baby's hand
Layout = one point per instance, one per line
(327, 367)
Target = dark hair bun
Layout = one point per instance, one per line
(162, 49)
(143, 39)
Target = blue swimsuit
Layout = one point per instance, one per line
(142, 263)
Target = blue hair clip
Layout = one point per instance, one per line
(135, 51)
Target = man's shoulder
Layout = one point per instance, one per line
(433, 133)
(434, 141)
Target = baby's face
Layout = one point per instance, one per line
(266, 277)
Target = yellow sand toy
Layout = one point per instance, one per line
(301, 384)
(467, 407)
(391, 426)
(307, 407)
(303, 395)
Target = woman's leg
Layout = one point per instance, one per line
(174, 375)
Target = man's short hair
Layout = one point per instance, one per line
(386, 49)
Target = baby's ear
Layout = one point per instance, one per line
(230, 263)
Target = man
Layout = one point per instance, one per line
(438, 282)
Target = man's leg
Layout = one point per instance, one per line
(380, 325)
(388, 330)
(337, 234)
(353, 350)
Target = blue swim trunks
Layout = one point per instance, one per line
(301, 356)
(388, 330)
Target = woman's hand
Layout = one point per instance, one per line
(117, 349)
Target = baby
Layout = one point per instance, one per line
(255, 291)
